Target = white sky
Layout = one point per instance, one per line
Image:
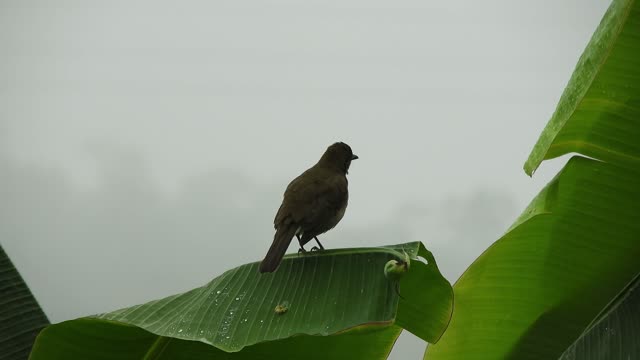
(145, 146)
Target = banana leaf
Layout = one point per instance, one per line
(616, 332)
(21, 318)
(321, 305)
(537, 289)
(534, 291)
(598, 112)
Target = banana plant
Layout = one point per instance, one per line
(537, 289)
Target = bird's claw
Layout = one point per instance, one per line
(315, 248)
(302, 251)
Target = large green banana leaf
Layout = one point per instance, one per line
(21, 318)
(318, 306)
(598, 112)
(533, 292)
(615, 334)
(577, 245)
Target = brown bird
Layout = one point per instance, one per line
(313, 204)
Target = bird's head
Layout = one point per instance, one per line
(338, 155)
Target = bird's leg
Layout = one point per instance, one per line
(315, 248)
(302, 250)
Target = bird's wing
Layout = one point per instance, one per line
(312, 196)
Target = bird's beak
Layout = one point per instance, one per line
(354, 157)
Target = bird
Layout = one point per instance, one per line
(313, 204)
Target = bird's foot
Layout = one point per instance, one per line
(302, 251)
(315, 248)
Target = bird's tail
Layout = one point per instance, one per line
(281, 242)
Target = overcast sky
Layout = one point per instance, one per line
(145, 146)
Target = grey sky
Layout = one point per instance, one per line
(145, 146)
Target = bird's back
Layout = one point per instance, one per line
(315, 201)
